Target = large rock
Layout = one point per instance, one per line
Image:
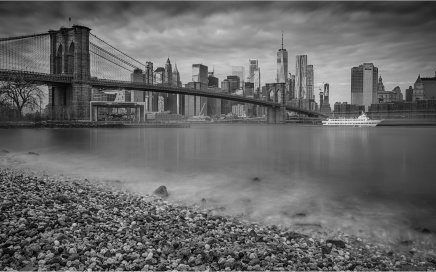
(337, 243)
(162, 191)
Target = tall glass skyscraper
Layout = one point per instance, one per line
(310, 82)
(240, 72)
(301, 77)
(364, 85)
(257, 81)
(200, 73)
(282, 64)
(253, 66)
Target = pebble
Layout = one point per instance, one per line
(104, 228)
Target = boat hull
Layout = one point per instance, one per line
(371, 123)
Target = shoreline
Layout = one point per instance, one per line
(86, 124)
(48, 223)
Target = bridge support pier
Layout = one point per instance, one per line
(69, 55)
(82, 94)
(276, 115)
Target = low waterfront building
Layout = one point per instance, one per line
(347, 110)
(238, 109)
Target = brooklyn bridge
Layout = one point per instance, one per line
(73, 62)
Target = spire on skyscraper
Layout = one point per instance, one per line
(282, 40)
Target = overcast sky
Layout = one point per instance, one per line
(398, 37)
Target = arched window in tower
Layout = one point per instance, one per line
(58, 66)
(71, 59)
(279, 96)
(272, 96)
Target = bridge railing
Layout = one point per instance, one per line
(30, 75)
(169, 88)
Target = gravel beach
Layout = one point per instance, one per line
(47, 223)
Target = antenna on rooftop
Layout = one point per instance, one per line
(282, 40)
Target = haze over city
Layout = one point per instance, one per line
(336, 36)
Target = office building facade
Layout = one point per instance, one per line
(254, 64)
(300, 76)
(257, 82)
(429, 87)
(200, 73)
(364, 85)
(240, 72)
(235, 83)
(212, 81)
(409, 94)
(310, 82)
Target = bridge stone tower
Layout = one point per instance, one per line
(276, 92)
(69, 55)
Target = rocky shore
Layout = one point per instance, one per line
(48, 223)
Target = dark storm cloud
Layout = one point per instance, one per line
(396, 36)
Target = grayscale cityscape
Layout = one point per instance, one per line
(210, 136)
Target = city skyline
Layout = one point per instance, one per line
(336, 36)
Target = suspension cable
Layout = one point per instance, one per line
(116, 49)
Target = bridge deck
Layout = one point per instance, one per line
(113, 84)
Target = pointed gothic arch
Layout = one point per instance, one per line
(70, 59)
(59, 53)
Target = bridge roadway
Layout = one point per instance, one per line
(114, 84)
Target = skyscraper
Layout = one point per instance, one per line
(213, 81)
(225, 86)
(291, 86)
(282, 64)
(179, 97)
(194, 104)
(364, 85)
(310, 82)
(253, 66)
(168, 76)
(409, 94)
(418, 90)
(380, 86)
(324, 100)
(170, 100)
(159, 75)
(326, 92)
(176, 77)
(149, 79)
(199, 73)
(235, 83)
(257, 82)
(157, 99)
(240, 72)
(301, 77)
(429, 84)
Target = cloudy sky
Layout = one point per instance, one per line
(398, 37)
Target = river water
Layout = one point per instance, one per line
(378, 181)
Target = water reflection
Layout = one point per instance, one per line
(375, 179)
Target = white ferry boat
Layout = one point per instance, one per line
(361, 121)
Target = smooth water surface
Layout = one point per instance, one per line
(379, 181)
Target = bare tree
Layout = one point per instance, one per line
(16, 91)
